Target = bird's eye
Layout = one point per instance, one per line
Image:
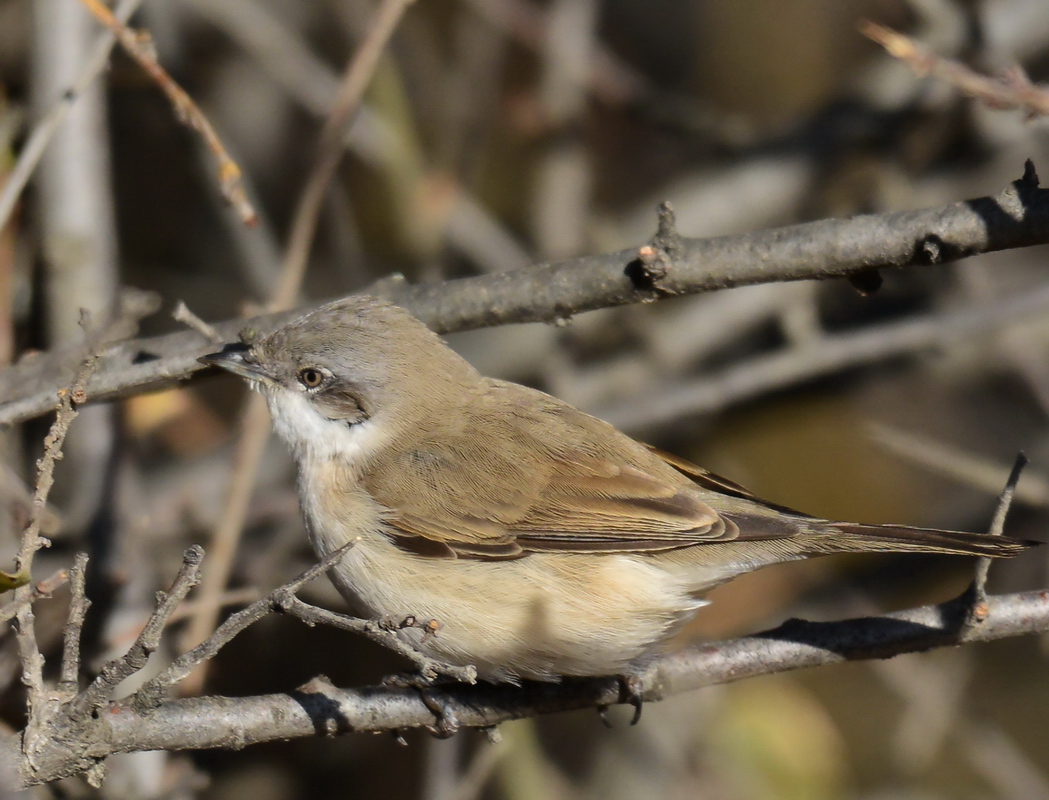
(311, 378)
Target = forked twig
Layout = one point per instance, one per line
(100, 690)
(139, 45)
(185, 664)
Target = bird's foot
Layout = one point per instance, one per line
(428, 682)
(631, 690)
(446, 722)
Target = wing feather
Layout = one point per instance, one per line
(542, 476)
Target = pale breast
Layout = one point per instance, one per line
(336, 509)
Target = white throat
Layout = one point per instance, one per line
(313, 437)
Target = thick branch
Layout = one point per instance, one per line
(321, 709)
(1016, 217)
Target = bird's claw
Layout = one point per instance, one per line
(446, 723)
(631, 691)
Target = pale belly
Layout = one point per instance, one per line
(539, 617)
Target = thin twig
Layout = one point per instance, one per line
(68, 400)
(139, 45)
(185, 664)
(255, 427)
(41, 590)
(347, 103)
(978, 591)
(1013, 90)
(69, 679)
(100, 690)
(284, 599)
(381, 631)
(234, 597)
(45, 129)
(183, 314)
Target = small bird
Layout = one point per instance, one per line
(545, 542)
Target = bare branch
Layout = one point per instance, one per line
(139, 45)
(100, 690)
(209, 648)
(284, 599)
(320, 709)
(68, 682)
(1016, 217)
(383, 632)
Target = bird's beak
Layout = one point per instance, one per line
(238, 359)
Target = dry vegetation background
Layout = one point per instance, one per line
(501, 133)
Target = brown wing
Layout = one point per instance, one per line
(484, 505)
(529, 473)
(534, 474)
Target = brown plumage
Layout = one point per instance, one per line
(545, 541)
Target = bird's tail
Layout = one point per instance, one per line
(850, 537)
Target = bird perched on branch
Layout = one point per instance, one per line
(544, 541)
